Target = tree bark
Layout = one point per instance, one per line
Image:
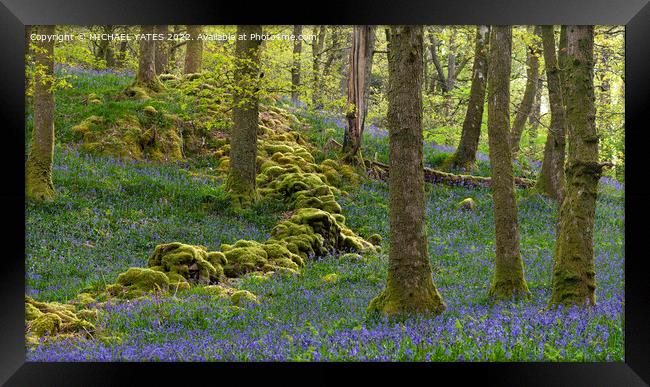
(573, 281)
(526, 105)
(317, 51)
(295, 67)
(465, 154)
(162, 50)
(194, 50)
(243, 152)
(551, 177)
(359, 70)
(146, 76)
(409, 287)
(38, 177)
(509, 278)
(535, 116)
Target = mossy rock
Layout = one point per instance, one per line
(47, 324)
(137, 281)
(193, 263)
(31, 312)
(351, 257)
(467, 204)
(329, 278)
(242, 297)
(375, 239)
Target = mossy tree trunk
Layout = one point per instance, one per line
(551, 177)
(526, 105)
(243, 151)
(409, 288)
(194, 50)
(162, 50)
(465, 154)
(508, 278)
(38, 177)
(296, 64)
(359, 70)
(535, 115)
(146, 76)
(573, 281)
(28, 32)
(316, 53)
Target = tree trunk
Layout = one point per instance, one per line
(465, 154)
(573, 280)
(360, 67)
(317, 51)
(38, 177)
(243, 151)
(104, 50)
(526, 105)
(509, 278)
(121, 54)
(194, 50)
(295, 67)
(147, 62)
(28, 32)
(535, 116)
(409, 287)
(162, 50)
(551, 178)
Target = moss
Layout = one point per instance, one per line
(241, 297)
(87, 314)
(467, 204)
(351, 257)
(47, 324)
(137, 93)
(137, 281)
(85, 299)
(193, 263)
(31, 312)
(216, 290)
(375, 239)
(329, 278)
(150, 110)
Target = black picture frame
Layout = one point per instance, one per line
(634, 14)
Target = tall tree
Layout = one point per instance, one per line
(38, 176)
(573, 281)
(409, 287)
(194, 50)
(162, 49)
(295, 66)
(104, 50)
(509, 278)
(146, 76)
(465, 154)
(535, 115)
(359, 71)
(316, 53)
(243, 141)
(551, 177)
(526, 105)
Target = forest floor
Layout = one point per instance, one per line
(110, 214)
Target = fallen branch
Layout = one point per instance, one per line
(380, 171)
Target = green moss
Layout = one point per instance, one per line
(375, 239)
(241, 297)
(351, 257)
(137, 281)
(193, 263)
(329, 278)
(31, 312)
(467, 204)
(47, 324)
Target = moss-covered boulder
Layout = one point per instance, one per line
(193, 263)
(242, 297)
(46, 324)
(467, 204)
